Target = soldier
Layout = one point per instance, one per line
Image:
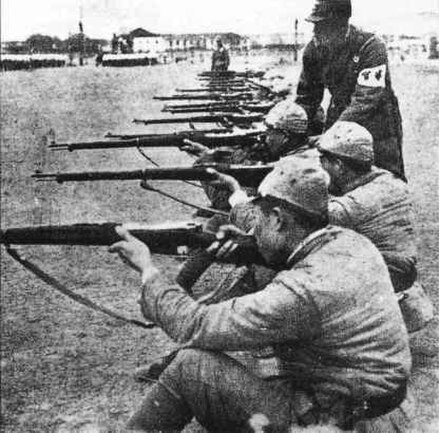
(377, 204)
(353, 66)
(330, 313)
(286, 132)
(220, 57)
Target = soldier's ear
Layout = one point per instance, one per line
(276, 219)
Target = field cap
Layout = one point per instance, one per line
(299, 182)
(325, 10)
(288, 116)
(348, 140)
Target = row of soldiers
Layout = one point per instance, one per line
(328, 318)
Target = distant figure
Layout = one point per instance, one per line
(220, 57)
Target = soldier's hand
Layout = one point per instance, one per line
(227, 241)
(133, 252)
(193, 148)
(224, 180)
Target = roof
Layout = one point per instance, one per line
(141, 33)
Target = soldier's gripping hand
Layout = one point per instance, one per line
(228, 240)
(224, 180)
(134, 253)
(193, 148)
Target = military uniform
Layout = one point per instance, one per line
(338, 335)
(378, 206)
(358, 79)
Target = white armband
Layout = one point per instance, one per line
(373, 77)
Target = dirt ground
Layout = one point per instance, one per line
(66, 368)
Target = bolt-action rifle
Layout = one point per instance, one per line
(230, 106)
(234, 118)
(211, 139)
(208, 96)
(161, 238)
(219, 88)
(245, 174)
(247, 74)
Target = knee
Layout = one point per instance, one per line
(191, 366)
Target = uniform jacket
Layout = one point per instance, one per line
(358, 79)
(332, 317)
(378, 206)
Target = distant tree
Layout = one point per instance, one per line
(80, 43)
(39, 43)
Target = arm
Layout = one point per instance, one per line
(373, 83)
(275, 314)
(310, 90)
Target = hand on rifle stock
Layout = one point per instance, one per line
(134, 253)
(226, 242)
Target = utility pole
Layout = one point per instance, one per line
(295, 42)
(81, 37)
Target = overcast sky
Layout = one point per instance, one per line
(102, 18)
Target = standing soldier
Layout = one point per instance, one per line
(353, 66)
(220, 57)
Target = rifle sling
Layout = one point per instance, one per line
(148, 187)
(51, 281)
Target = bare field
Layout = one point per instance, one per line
(66, 368)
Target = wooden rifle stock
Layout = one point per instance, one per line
(161, 239)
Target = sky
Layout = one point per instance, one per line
(102, 18)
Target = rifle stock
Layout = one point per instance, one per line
(161, 239)
(245, 174)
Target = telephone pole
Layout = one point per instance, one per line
(295, 42)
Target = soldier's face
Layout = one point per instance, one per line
(329, 34)
(269, 240)
(276, 141)
(333, 168)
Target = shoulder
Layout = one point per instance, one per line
(370, 47)
(346, 257)
(310, 51)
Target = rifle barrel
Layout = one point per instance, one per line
(246, 175)
(208, 118)
(208, 97)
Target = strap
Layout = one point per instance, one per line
(51, 281)
(184, 202)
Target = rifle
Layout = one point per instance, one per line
(209, 96)
(247, 175)
(226, 117)
(161, 239)
(219, 88)
(247, 74)
(237, 106)
(221, 137)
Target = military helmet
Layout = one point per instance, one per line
(300, 182)
(325, 10)
(348, 140)
(288, 116)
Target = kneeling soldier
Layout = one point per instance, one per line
(377, 204)
(330, 312)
